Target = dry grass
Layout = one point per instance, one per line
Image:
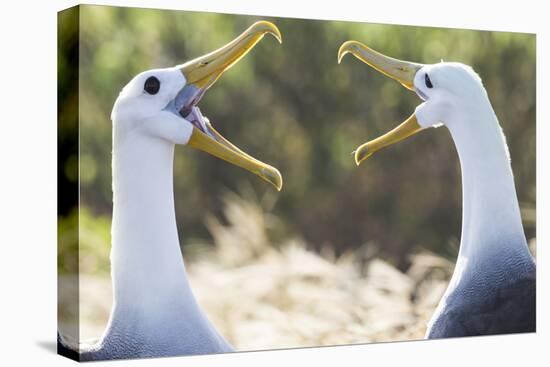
(262, 295)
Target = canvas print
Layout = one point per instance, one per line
(236, 183)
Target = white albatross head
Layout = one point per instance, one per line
(447, 89)
(162, 104)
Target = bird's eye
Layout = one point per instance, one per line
(152, 85)
(428, 81)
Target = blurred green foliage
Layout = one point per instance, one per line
(94, 232)
(293, 106)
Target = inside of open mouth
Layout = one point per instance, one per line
(185, 104)
(421, 94)
(199, 121)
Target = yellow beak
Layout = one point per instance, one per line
(228, 152)
(402, 71)
(202, 72)
(408, 128)
(205, 70)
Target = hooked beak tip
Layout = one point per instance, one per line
(342, 51)
(346, 48)
(268, 27)
(360, 155)
(273, 176)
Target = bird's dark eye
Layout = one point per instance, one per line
(428, 81)
(152, 85)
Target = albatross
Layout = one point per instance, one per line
(154, 311)
(492, 289)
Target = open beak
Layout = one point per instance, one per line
(200, 74)
(402, 71)
(205, 70)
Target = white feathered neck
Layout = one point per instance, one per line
(153, 305)
(491, 220)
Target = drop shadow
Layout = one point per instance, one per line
(48, 345)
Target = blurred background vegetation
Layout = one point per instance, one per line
(294, 107)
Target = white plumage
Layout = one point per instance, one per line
(154, 310)
(492, 289)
